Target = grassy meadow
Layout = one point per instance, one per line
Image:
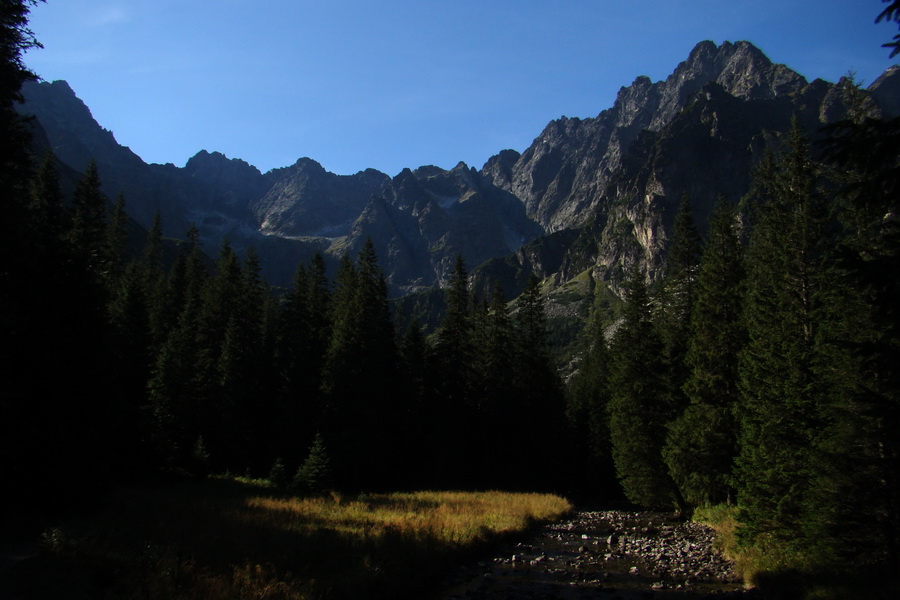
(233, 539)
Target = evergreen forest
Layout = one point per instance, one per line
(760, 372)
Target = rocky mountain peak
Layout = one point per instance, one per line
(564, 173)
(604, 188)
(886, 91)
(740, 68)
(226, 184)
(75, 136)
(216, 162)
(309, 165)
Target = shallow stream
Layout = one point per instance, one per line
(604, 554)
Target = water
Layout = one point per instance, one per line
(604, 554)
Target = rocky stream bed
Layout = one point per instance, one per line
(604, 554)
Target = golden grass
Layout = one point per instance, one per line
(751, 560)
(460, 518)
(228, 539)
(784, 572)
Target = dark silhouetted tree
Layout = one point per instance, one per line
(786, 382)
(701, 443)
(639, 407)
(314, 476)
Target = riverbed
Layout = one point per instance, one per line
(604, 554)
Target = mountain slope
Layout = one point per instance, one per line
(604, 188)
(618, 177)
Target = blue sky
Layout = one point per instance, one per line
(355, 84)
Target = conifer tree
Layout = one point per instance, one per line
(414, 350)
(88, 227)
(318, 299)
(540, 403)
(117, 238)
(15, 39)
(174, 387)
(300, 379)
(701, 443)
(238, 392)
(454, 357)
(587, 408)
(153, 279)
(863, 446)
(454, 338)
(186, 280)
(676, 297)
(315, 474)
(495, 362)
(340, 366)
(638, 406)
(53, 326)
(360, 376)
(785, 385)
(133, 353)
(308, 314)
(535, 373)
(494, 398)
(46, 204)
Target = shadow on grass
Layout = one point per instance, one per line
(832, 584)
(210, 540)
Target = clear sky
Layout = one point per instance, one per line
(390, 84)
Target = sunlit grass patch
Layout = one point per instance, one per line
(460, 518)
(230, 539)
(751, 560)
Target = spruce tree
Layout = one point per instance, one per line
(864, 439)
(117, 238)
(701, 443)
(495, 359)
(46, 204)
(153, 276)
(679, 281)
(88, 226)
(539, 400)
(495, 398)
(455, 338)
(53, 328)
(587, 408)
(638, 408)
(175, 389)
(15, 39)
(418, 418)
(315, 474)
(455, 377)
(360, 374)
(175, 386)
(676, 297)
(133, 354)
(784, 381)
(299, 381)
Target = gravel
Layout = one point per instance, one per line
(605, 554)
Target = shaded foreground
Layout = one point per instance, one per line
(606, 554)
(226, 539)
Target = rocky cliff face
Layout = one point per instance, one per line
(565, 173)
(618, 178)
(419, 220)
(589, 196)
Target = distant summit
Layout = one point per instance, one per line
(592, 195)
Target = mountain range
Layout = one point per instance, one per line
(587, 200)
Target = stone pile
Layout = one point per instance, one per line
(679, 551)
(615, 554)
